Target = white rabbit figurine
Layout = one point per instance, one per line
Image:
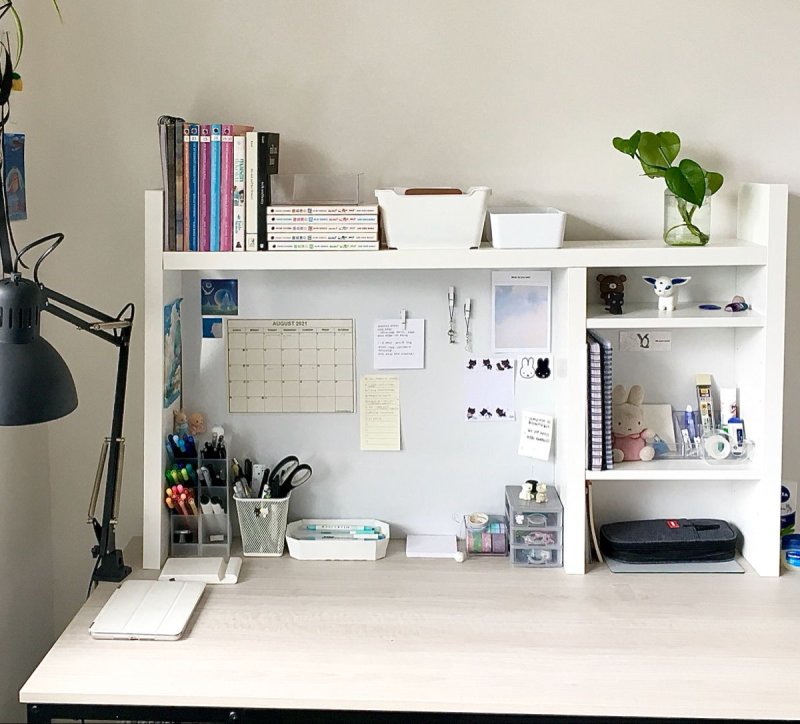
(664, 287)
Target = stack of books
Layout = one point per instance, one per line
(344, 227)
(600, 385)
(216, 185)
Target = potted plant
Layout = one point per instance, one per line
(687, 209)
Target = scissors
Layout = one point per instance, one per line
(287, 475)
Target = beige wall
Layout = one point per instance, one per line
(524, 96)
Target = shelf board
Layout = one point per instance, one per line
(676, 470)
(687, 316)
(644, 253)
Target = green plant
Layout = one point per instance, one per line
(20, 42)
(688, 181)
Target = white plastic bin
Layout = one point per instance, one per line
(527, 227)
(433, 221)
(336, 550)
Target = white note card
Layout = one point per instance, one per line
(380, 412)
(535, 435)
(397, 347)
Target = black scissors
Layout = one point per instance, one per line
(287, 475)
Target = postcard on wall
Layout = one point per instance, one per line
(398, 345)
(219, 296)
(172, 352)
(489, 389)
(212, 327)
(14, 175)
(521, 312)
(535, 435)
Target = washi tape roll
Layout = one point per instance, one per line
(717, 447)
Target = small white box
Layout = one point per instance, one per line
(527, 227)
(433, 221)
(336, 550)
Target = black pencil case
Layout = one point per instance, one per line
(669, 540)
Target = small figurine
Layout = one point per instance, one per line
(612, 291)
(664, 287)
(527, 490)
(197, 424)
(541, 493)
(180, 423)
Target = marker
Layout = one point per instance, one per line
(348, 528)
(332, 536)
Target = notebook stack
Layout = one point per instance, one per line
(343, 227)
(600, 385)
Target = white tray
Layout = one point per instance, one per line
(336, 550)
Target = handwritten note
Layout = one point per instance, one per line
(380, 412)
(535, 435)
(399, 348)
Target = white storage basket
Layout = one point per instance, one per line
(263, 525)
(527, 227)
(433, 221)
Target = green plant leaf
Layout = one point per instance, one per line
(670, 145)
(627, 146)
(714, 181)
(652, 171)
(687, 181)
(652, 151)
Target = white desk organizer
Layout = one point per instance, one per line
(527, 227)
(336, 550)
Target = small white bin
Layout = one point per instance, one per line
(527, 227)
(336, 550)
(433, 221)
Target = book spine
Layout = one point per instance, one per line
(323, 228)
(322, 219)
(204, 188)
(251, 191)
(371, 209)
(179, 237)
(317, 236)
(215, 188)
(226, 189)
(186, 217)
(167, 143)
(322, 245)
(268, 156)
(194, 156)
(238, 192)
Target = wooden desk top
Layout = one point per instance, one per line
(436, 635)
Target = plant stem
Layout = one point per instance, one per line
(687, 212)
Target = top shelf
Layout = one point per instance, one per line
(636, 253)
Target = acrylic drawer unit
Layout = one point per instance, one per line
(536, 529)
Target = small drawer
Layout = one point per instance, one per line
(547, 537)
(536, 557)
(534, 520)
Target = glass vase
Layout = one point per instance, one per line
(686, 224)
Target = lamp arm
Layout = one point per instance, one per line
(117, 330)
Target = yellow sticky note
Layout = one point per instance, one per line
(380, 412)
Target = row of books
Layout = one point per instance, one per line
(600, 385)
(341, 227)
(216, 185)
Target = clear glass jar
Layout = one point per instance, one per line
(686, 224)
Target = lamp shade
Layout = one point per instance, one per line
(35, 382)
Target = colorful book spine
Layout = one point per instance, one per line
(179, 237)
(371, 209)
(251, 192)
(204, 188)
(186, 218)
(215, 188)
(268, 157)
(238, 193)
(226, 188)
(279, 218)
(320, 236)
(194, 157)
(326, 228)
(322, 245)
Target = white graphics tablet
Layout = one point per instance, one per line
(147, 610)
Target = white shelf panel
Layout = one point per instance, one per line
(676, 470)
(722, 252)
(687, 316)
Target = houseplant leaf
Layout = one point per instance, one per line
(713, 182)
(670, 145)
(653, 152)
(687, 181)
(627, 146)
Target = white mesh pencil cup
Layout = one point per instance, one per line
(263, 525)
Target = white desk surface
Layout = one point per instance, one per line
(436, 635)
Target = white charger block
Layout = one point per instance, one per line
(527, 227)
(336, 550)
(433, 221)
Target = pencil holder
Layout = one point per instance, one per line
(262, 523)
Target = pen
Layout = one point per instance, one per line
(690, 426)
(348, 528)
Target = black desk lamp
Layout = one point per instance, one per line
(35, 382)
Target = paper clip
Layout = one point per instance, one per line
(403, 317)
(467, 314)
(451, 305)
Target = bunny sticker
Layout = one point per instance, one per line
(527, 368)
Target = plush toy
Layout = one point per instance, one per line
(611, 283)
(197, 424)
(665, 290)
(615, 302)
(631, 438)
(180, 422)
(541, 493)
(527, 490)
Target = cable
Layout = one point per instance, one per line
(57, 238)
